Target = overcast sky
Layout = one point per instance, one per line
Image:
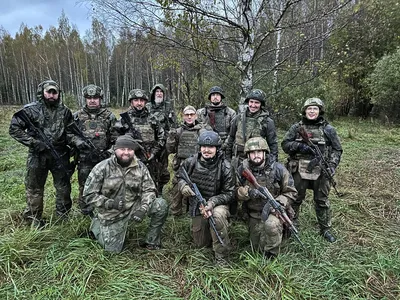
(43, 12)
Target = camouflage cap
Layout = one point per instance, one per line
(189, 109)
(51, 85)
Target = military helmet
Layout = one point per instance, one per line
(216, 90)
(47, 85)
(92, 90)
(209, 138)
(256, 144)
(138, 93)
(314, 102)
(256, 94)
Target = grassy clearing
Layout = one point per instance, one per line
(62, 262)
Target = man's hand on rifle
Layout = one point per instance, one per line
(39, 146)
(304, 148)
(114, 204)
(81, 145)
(151, 157)
(332, 170)
(206, 211)
(186, 191)
(254, 194)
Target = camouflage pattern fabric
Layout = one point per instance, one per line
(323, 134)
(134, 186)
(53, 121)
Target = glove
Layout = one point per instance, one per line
(186, 191)
(81, 145)
(39, 146)
(254, 194)
(332, 171)
(138, 215)
(173, 133)
(151, 157)
(114, 204)
(303, 148)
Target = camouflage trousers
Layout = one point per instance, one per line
(111, 236)
(83, 174)
(204, 235)
(38, 166)
(178, 204)
(163, 175)
(266, 236)
(321, 188)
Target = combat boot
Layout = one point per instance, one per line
(328, 236)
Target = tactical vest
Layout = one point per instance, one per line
(316, 135)
(252, 126)
(265, 177)
(206, 179)
(187, 144)
(146, 128)
(95, 127)
(162, 113)
(221, 123)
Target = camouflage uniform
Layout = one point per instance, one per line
(108, 180)
(265, 229)
(214, 180)
(151, 134)
(52, 119)
(324, 135)
(218, 117)
(96, 125)
(183, 144)
(165, 114)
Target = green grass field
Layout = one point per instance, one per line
(60, 261)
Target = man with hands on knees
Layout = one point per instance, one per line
(120, 189)
(212, 175)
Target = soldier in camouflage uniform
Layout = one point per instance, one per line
(183, 142)
(96, 124)
(266, 230)
(120, 189)
(254, 121)
(50, 115)
(324, 135)
(163, 110)
(145, 128)
(213, 176)
(217, 114)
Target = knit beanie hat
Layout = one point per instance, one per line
(126, 141)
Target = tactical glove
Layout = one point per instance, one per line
(254, 194)
(172, 133)
(138, 215)
(114, 204)
(305, 149)
(81, 145)
(332, 171)
(39, 146)
(186, 191)
(290, 212)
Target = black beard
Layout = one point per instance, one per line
(124, 164)
(216, 103)
(256, 164)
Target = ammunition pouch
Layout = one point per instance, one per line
(304, 171)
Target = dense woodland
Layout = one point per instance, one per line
(344, 51)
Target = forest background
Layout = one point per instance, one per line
(345, 52)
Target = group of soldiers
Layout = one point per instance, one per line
(123, 166)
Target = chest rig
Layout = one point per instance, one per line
(187, 144)
(95, 127)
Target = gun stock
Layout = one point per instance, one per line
(202, 203)
(281, 213)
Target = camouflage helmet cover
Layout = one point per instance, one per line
(314, 102)
(92, 90)
(256, 144)
(138, 93)
(216, 90)
(209, 138)
(256, 94)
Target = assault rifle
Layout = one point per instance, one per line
(320, 159)
(76, 130)
(203, 203)
(136, 134)
(279, 209)
(39, 134)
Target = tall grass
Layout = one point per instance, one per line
(61, 261)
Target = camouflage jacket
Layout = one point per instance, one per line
(53, 121)
(219, 118)
(108, 180)
(247, 125)
(275, 177)
(164, 112)
(328, 140)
